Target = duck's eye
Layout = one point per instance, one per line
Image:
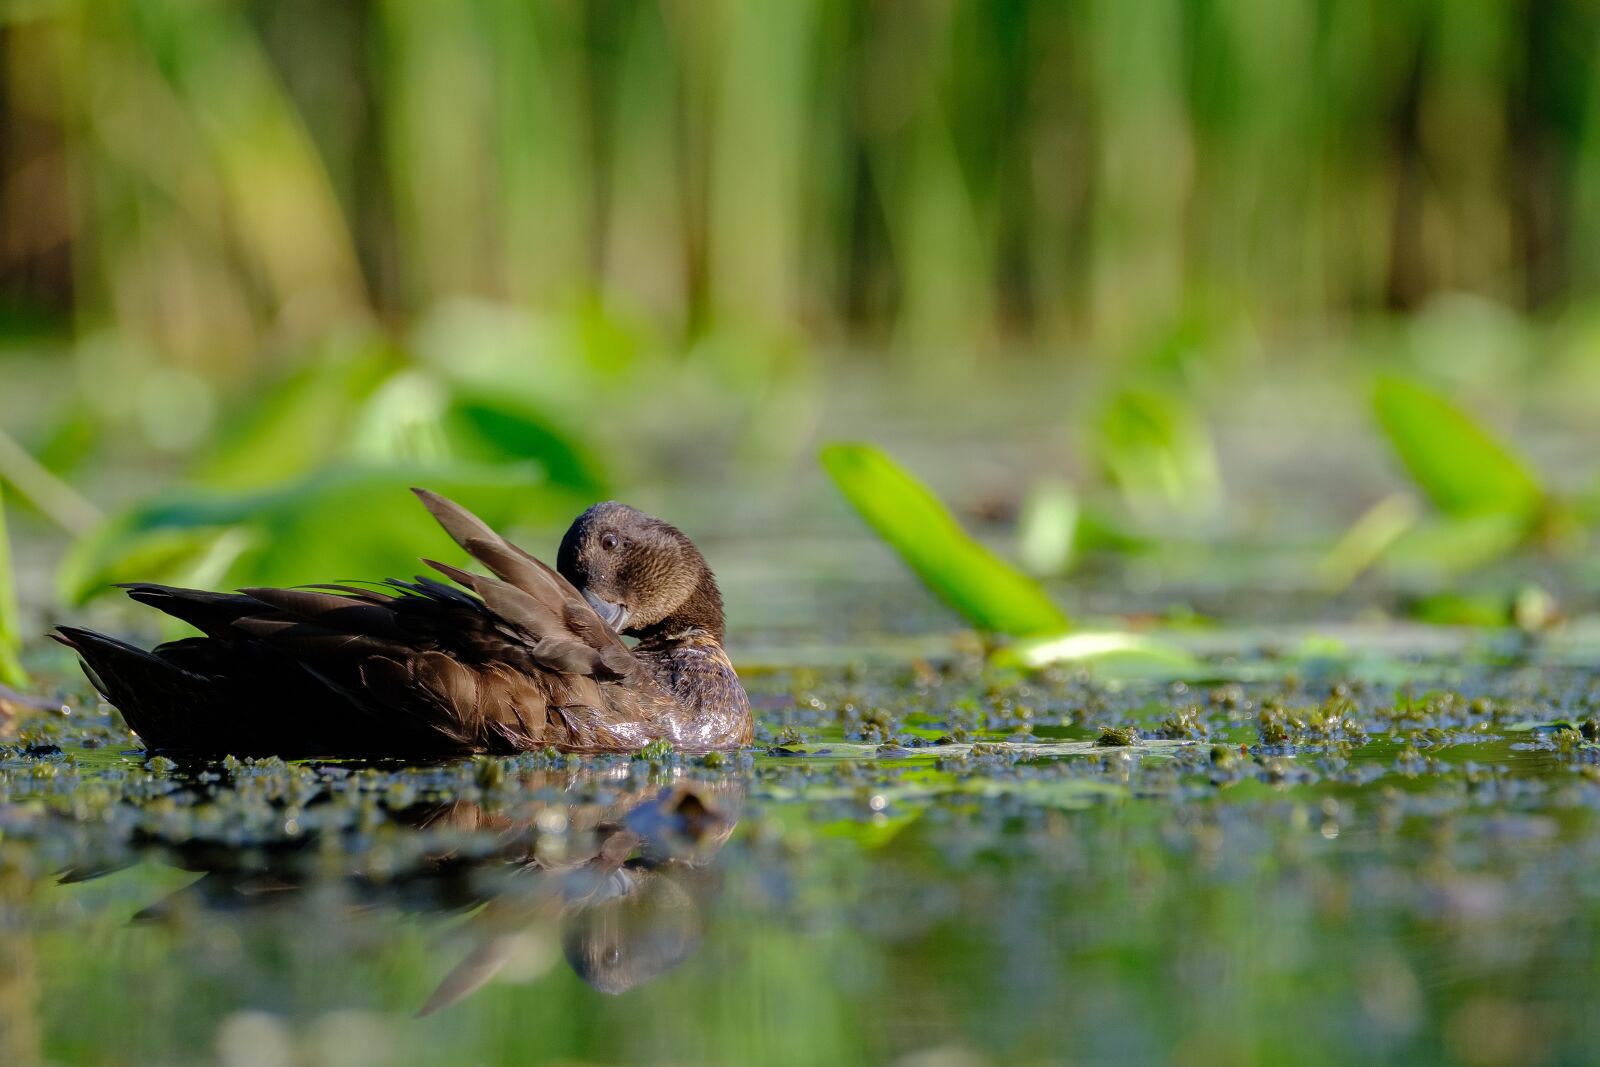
(608, 542)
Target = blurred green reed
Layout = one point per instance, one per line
(223, 183)
(302, 247)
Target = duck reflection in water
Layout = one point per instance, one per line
(628, 886)
(624, 872)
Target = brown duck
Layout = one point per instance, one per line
(522, 659)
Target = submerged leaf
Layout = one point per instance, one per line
(1454, 459)
(991, 593)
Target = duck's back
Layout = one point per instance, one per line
(422, 673)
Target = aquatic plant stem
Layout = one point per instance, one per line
(11, 672)
(60, 503)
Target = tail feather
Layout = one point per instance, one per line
(163, 703)
(210, 613)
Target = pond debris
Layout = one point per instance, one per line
(1117, 737)
(1183, 724)
(658, 751)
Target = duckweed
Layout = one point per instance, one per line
(657, 751)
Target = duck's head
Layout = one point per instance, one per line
(643, 576)
(637, 925)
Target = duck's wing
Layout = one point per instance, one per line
(232, 694)
(526, 591)
(495, 671)
(411, 667)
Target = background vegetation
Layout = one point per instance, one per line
(225, 186)
(263, 263)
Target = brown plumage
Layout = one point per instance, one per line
(520, 659)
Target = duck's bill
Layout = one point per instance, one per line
(615, 615)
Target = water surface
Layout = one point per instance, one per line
(920, 864)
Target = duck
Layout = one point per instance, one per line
(523, 658)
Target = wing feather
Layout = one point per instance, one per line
(572, 613)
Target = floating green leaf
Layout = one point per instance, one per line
(481, 428)
(370, 407)
(133, 547)
(1481, 609)
(992, 594)
(297, 423)
(1455, 460)
(344, 522)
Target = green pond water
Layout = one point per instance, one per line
(1311, 859)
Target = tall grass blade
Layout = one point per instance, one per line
(1452, 457)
